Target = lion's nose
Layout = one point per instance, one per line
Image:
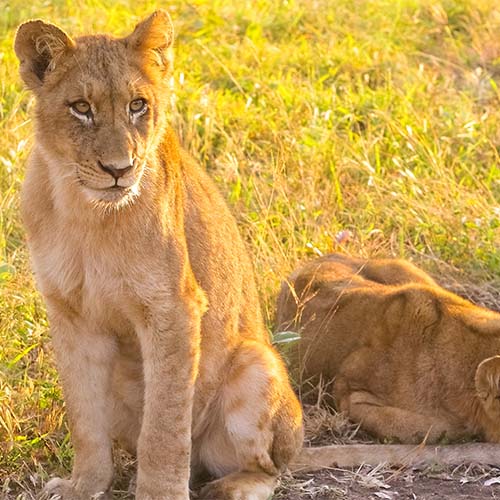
(115, 171)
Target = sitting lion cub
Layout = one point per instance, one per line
(409, 360)
(155, 320)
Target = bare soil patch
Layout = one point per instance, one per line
(471, 482)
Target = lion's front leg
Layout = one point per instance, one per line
(170, 349)
(84, 360)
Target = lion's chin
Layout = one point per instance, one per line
(113, 198)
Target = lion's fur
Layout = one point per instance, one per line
(154, 313)
(409, 359)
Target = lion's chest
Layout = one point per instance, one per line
(91, 280)
(103, 287)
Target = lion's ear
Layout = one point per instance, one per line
(487, 378)
(154, 36)
(39, 46)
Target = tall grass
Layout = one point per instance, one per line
(370, 127)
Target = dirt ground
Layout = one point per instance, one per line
(465, 482)
(366, 484)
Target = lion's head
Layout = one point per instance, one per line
(100, 104)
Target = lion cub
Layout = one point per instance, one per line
(409, 360)
(154, 313)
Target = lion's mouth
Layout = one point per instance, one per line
(115, 188)
(114, 195)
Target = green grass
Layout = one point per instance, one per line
(377, 117)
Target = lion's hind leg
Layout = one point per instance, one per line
(255, 428)
(391, 422)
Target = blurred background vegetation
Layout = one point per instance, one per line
(370, 127)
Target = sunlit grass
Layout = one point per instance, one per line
(378, 117)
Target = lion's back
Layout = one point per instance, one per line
(377, 320)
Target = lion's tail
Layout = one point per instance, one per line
(392, 454)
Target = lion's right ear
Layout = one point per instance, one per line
(39, 46)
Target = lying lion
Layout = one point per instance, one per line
(409, 359)
(155, 319)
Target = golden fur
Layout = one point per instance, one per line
(355, 455)
(154, 314)
(408, 359)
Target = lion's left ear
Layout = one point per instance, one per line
(154, 36)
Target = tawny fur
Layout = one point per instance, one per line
(355, 455)
(154, 314)
(409, 360)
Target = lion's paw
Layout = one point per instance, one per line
(63, 489)
(215, 491)
(242, 489)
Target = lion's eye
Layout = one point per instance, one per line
(138, 105)
(81, 107)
